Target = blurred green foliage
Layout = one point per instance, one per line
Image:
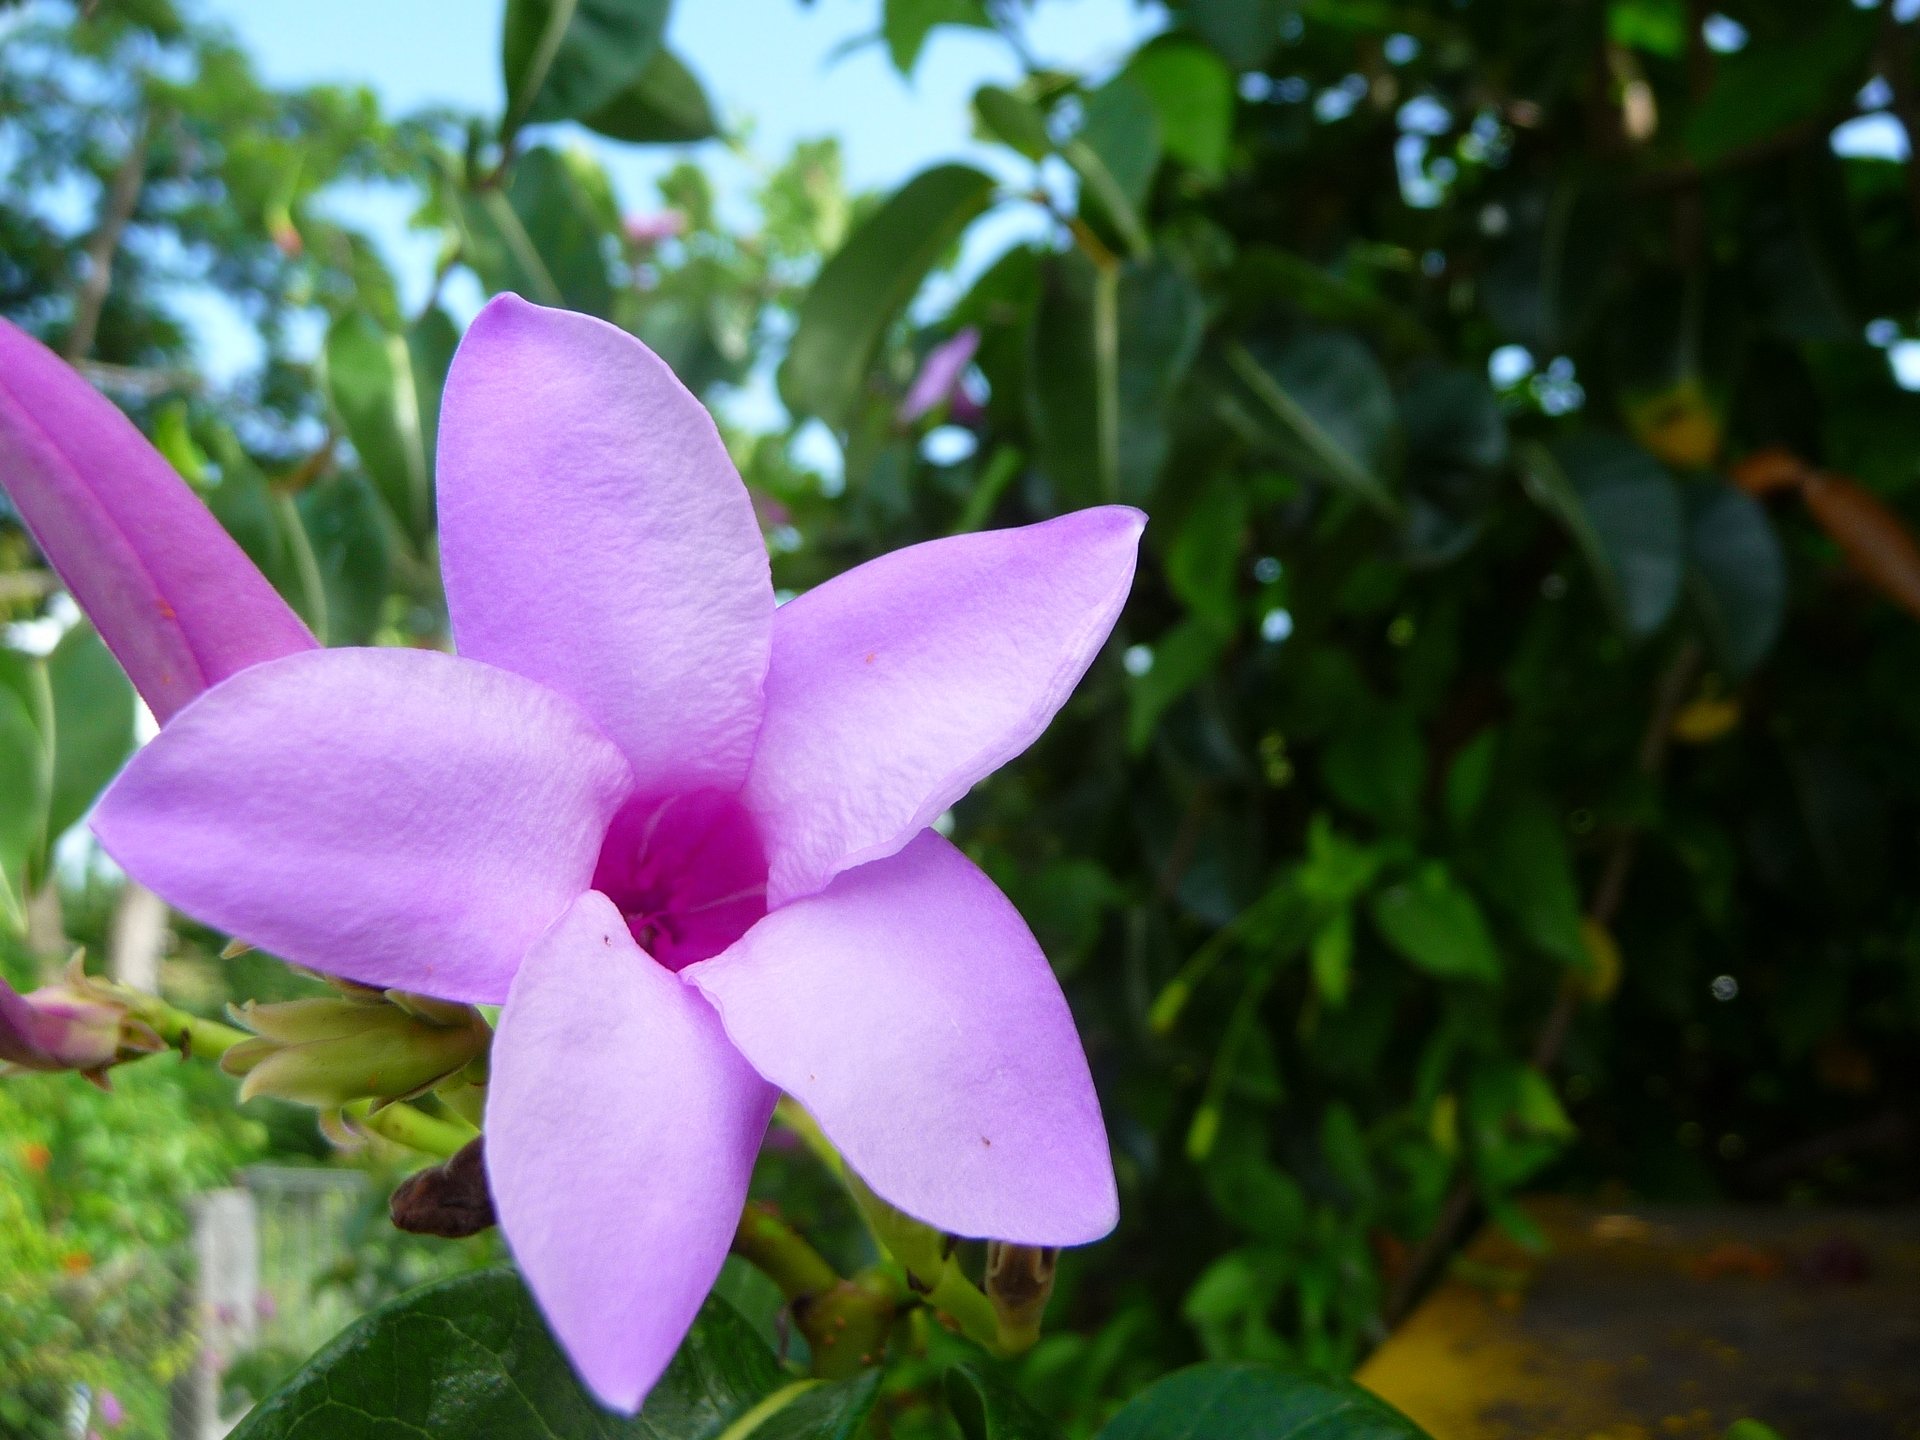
(1503, 773)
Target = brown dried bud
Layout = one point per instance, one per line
(449, 1200)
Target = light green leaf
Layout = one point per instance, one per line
(93, 715)
(564, 59)
(26, 779)
(666, 105)
(865, 286)
(1253, 1402)
(267, 526)
(1192, 94)
(1012, 121)
(353, 547)
(1436, 925)
(370, 379)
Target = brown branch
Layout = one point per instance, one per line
(123, 194)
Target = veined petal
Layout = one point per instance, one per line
(595, 537)
(898, 685)
(398, 817)
(909, 1009)
(621, 1132)
(176, 600)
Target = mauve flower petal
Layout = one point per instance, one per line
(176, 600)
(595, 537)
(621, 1132)
(908, 1008)
(899, 684)
(398, 817)
(940, 372)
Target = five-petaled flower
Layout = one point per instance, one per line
(681, 835)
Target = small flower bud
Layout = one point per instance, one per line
(363, 1044)
(1019, 1283)
(75, 1025)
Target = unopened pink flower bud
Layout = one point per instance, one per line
(940, 375)
(56, 1028)
(652, 229)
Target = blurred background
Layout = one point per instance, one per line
(1502, 783)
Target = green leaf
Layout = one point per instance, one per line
(666, 105)
(905, 25)
(864, 287)
(1376, 765)
(809, 1410)
(470, 1359)
(564, 59)
(543, 236)
(353, 548)
(1333, 407)
(1740, 575)
(1257, 1402)
(1182, 658)
(1244, 32)
(1013, 121)
(1529, 874)
(267, 526)
(986, 1406)
(1433, 922)
(1203, 562)
(1770, 88)
(1192, 94)
(1109, 351)
(1623, 510)
(1116, 153)
(93, 716)
(26, 778)
(370, 379)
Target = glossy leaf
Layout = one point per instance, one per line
(1433, 921)
(1740, 575)
(863, 288)
(93, 718)
(665, 105)
(470, 1359)
(1257, 1402)
(986, 1406)
(564, 59)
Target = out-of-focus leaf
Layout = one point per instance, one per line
(1529, 874)
(370, 380)
(267, 526)
(1515, 1123)
(1456, 442)
(1740, 575)
(353, 548)
(1192, 94)
(1182, 658)
(1875, 540)
(1376, 765)
(1433, 921)
(93, 716)
(863, 288)
(544, 236)
(1013, 121)
(1624, 512)
(1099, 393)
(1244, 32)
(470, 1359)
(986, 1406)
(1116, 152)
(1766, 89)
(905, 25)
(26, 778)
(564, 59)
(1203, 562)
(1549, 272)
(1257, 1402)
(666, 105)
(1331, 403)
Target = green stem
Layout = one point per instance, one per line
(412, 1128)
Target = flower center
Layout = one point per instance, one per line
(688, 873)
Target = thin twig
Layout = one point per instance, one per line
(123, 194)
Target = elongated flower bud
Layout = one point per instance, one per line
(74, 1025)
(174, 597)
(364, 1044)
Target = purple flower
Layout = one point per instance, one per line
(681, 835)
(652, 229)
(940, 375)
(173, 596)
(112, 1412)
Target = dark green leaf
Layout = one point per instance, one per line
(1192, 94)
(1529, 874)
(666, 105)
(1203, 562)
(1182, 658)
(1623, 510)
(564, 59)
(1432, 921)
(370, 380)
(988, 1407)
(1012, 121)
(1243, 31)
(1376, 765)
(1250, 1402)
(905, 25)
(545, 235)
(267, 526)
(470, 1359)
(1116, 153)
(93, 715)
(1767, 89)
(819, 1411)
(1330, 402)
(353, 548)
(863, 288)
(1740, 575)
